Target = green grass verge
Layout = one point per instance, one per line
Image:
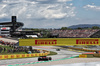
(5, 53)
(91, 56)
(6, 47)
(52, 53)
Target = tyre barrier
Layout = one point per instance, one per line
(23, 55)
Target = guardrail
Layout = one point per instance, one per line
(23, 55)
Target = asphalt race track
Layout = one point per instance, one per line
(61, 54)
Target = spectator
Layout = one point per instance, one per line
(8, 50)
(30, 48)
(97, 52)
(1, 49)
(4, 49)
(84, 33)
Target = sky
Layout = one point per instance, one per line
(51, 13)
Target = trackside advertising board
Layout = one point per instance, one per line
(59, 41)
(82, 56)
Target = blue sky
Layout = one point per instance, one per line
(51, 13)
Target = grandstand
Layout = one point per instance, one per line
(95, 35)
(15, 29)
(14, 25)
(77, 33)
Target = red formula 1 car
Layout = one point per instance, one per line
(44, 58)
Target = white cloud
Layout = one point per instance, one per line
(55, 11)
(93, 7)
(71, 4)
(2, 15)
(64, 0)
(31, 10)
(41, 0)
(23, 8)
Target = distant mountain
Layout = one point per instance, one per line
(83, 26)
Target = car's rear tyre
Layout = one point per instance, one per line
(39, 59)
